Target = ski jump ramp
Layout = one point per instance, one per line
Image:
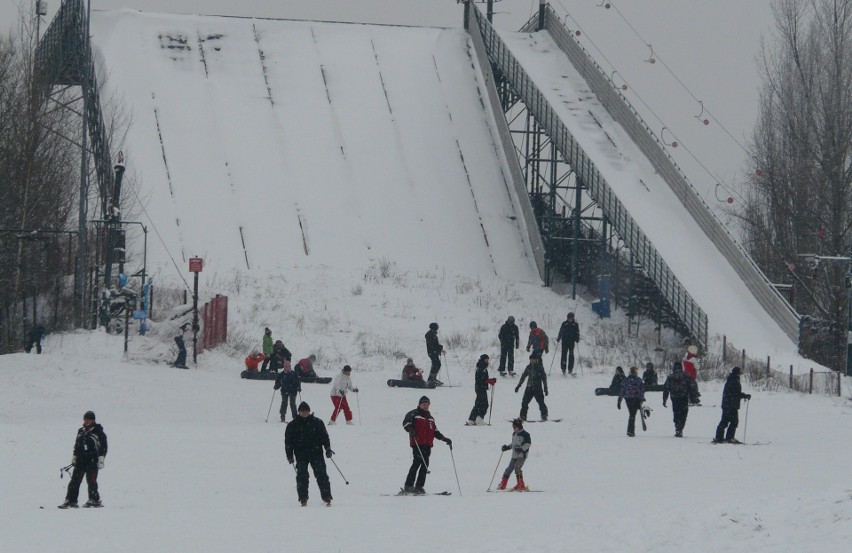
(263, 144)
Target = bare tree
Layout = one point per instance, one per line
(800, 201)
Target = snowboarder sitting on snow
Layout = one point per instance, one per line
(342, 383)
(280, 355)
(678, 386)
(305, 367)
(422, 432)
(538, 340)
(520, 448)
(480, 386)
(633, 392)
(253, 360)
(290, 385)
(434, 350)
(90, 449)
(649, 377)
(569, 334)
(536, 387)
(267, 347)
(304, 441)
(410, 372)
(509, 339)
(731, 397)
(617, 378)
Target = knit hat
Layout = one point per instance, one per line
(304, 406)
(424, 399)
(677, 367)
(89, 415)
(570, 315)
(649, 365)
(736, 370)
(483, 357)
(533, 356)
(511, 319)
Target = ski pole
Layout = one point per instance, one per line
(495, 470)
(358, 404)
(745, 424)
(449, 383)
(64, 469)
(453, 457)
(338, 470)
(271, 401)
(551, 362)
(423, 459)
(491, 405)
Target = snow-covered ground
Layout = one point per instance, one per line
(194, 467)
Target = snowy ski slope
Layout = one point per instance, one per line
(262, 144)
(706, 274)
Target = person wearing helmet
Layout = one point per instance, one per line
(480, 385)
(434, 350)
(90, 449)
(520, 448)
(538, 340)
(410, 372)
(536, 387)
(509, 341)
(569, 334)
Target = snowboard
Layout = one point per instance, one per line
(548, 420)
(395, 383)
(259, 375)
(606, 392)
(315, 379)
(403, 493)
(514, 491)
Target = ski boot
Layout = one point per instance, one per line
(503, 483)
(283, 419)
(470, 423)
(303, 502)
(418, 490)
(350, 423)
(502, 373)
(331, 423)
(679, 434)
(733, 441)
(93, 503)
(69, 505)
(520, 486)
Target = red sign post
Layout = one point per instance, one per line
(196, 264)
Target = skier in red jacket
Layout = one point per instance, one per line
(422, 432)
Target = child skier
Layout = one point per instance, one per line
(520, 448)
(342, 384)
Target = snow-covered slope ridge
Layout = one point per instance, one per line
(264, 144)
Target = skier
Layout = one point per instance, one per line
(280, 356)
(422, 432)
(690, 367)
(410, 372)
(90, 449)
(253, 360)
(617, 378)
(677, 385)
(633, 392)
(569, 334)
(434, 351)
(267, 347)
(536, 387)
(650, 375)
(36, 336)
(480, 386)
(290, 385)
(305, 367)
(304, 440)
(509, 341)
(342, 383)
(181, 340)
(520, 448)
(538, 340)
(731, 397)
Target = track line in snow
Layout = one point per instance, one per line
(245, 251)
(203, 56)
(303, 228)
(335, 121)
(262, 57)
(476, 207)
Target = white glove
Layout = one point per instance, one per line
(73, 460)
(100, 462)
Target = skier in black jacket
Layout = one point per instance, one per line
(569, 334)
(290, 384)
(731, 397)
(304, 440)
(90, 449)
(536, 387)
(434, 351)
(480, 386)
(678, 386)
(510, 340)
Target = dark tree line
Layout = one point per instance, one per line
(799, 201)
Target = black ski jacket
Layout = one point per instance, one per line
(537, 377)
(650, 377)
(733, 392)
(677, 385)
(509, 335)
(480, 377)
(433, 348)
(90, 444)
(288, 382)
(305, 438)
(569, 333)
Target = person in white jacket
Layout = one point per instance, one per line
(341, 384)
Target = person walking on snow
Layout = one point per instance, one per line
(90, 449)
(422, 431)
(290, 385)
(481, 381)
(732, 395)
(434, 350)
(633, 392)
(267, 347)
(677, 386)
(509, 341)
(520, 448)
(536, 387)
(569, 334)
(538, 340)
(341, 384)
(304, 441)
